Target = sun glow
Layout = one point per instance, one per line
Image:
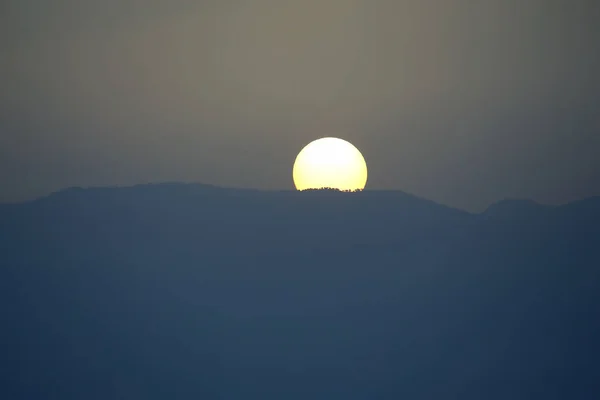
(330, 163)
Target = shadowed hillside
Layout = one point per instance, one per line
(193, 291)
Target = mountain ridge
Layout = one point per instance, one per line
(499, 208)
(176, 291)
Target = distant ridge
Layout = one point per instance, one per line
(194, 291)
(514, 207)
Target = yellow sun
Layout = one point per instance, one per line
(332, 163)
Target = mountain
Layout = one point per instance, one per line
(515, 208)
(194, 291)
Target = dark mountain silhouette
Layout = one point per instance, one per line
(515, 208)
(177, 291)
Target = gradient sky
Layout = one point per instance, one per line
(462, 102)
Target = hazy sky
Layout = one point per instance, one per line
(463, 102)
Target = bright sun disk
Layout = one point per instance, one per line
(330, 163)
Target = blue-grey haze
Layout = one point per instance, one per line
(459, 101)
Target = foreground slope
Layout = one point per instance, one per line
(192, 291)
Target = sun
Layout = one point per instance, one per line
(330, 163)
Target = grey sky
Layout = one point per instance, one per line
(463, 102)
